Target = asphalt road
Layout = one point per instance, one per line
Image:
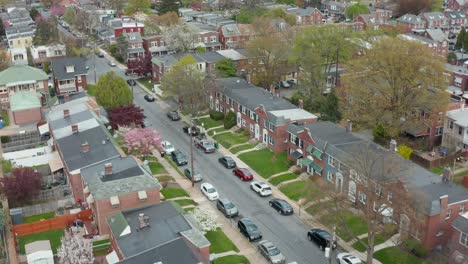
(288, 233)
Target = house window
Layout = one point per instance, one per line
(272, 127)
(462, 209)
(362, 197)
(332, 161)
(340, 165)
(292, 137)
(301, 143)
(330, 176)
(251, 127)
(448, 214)
(460, 130)
(450, 124)
(42, 54)
(378, 190)
(244, 123)
(213, 39)
(464, 239)
(244, 110)
(439, 131)
(389, 196)
(252, 115)
(3, 90)
(271, 140)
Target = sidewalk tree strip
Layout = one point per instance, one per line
(234, 150)
(185, 202)
(378, 239)
(230, 139)
(100, 242)
(352, 224)
(232, 259)
(39, 217)
(265, 162)
(165, 178)
(217, 130)
(174, 166)
(54, 236)
(101, 247)
(90, 89)
(170, 193)
(395, 255)
(299, 189)
(146, 82)
(220, 242)
(156, 167)
(282, 178)
(208, 122)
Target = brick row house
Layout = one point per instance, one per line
(307, 16)
(439, 47)
(375, 20)
(456, 19)
(70, 75)
(134, 48)
(458, 5)
(114, 27)
(235, 35)
(412, 23)
(458, 243)
(435, 20)
(156, 45)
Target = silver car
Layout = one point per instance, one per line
(196, 177)
(271, 252)
(227, 208)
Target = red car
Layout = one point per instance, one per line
(243, 174)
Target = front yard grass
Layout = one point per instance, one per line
(265, 162)
(156, 167)
(208, 122)
(146, 82)
(230, 139)
(185, 202)
(220, 242)
(353, 225)
(297, 190)
(5, 118)
(38, 217)
(54, 236)
(101, 247)
(165, 178)
(282, 178)
(232, 259)
(395, 255)
(378, 239)
(174, 166)
(173, 192)
(440, 169)
(234, 150)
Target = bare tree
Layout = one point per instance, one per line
(181, 38)
(75, 249)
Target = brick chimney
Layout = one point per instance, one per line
(66, 98)
(85, 147)
(443, 206)
(74, 129)
(66, 112)
(300, 104)
(108, 168)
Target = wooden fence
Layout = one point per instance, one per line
(429, 164)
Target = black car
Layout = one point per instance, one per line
(281, 206)
(131, 82)
(228, 162)
(149, 98)
(321, 238)
(173, 115)
(100, 55)
(193, 130)
(249, 229)
(179, 158)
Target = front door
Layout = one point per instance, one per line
(257, 131)
(352, 191)
(239, 119)
(265, 136)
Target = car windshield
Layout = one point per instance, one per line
(211, 190)
(229, 159)
(266, 188)
(252, 227)
(284, 204)
(229, 205)
(168, 145)
(207, 144)
(273, 251)
(246, 172)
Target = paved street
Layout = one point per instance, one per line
(287, 232)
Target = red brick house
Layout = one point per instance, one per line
(156, 234)
(457, 77)
(264, 115)
(125, 24)
(435, 20)
(457, 5)
(156, 45)
(69, 75)
(374, 20)
(458, 243)
(308, 16)
(235, 35)
(439, 47)
(412, 23)
(456, 19)
(135, 46)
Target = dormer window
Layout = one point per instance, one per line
(70, 69)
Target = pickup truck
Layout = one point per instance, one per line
(204, 144)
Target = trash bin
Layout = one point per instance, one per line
(216, 144)
(162, 154)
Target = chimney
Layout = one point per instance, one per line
(85, 147)
(301, 104)
(74, 129)
(66, 112)
(108, 168)
(349, 126)
(393, 145)
(66, 98)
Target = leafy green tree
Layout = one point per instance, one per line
(167, 6)
(135, 6)
(451, 57)
(200, 49)
(287, 2)
(436, 5)
(112, 91)
(329, 110)
(248, 15)
(226, 68)
(34, 13)
(230, 120)
(46, 32)
(356, 10)
(281, 13)
(461, 39)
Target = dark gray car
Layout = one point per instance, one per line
(249, 229)
(227, 207)
(179, 158)
(197, 176)
(228, 162)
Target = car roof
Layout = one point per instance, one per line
(228, 157)
(350, 257)
(244, 170)
(267, 244)
(224, 200)
(247, 221)
(207, 185)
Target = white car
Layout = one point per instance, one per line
(260, 188)
(346, 258)
(167, 147)
(209, 191)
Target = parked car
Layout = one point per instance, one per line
(149, 98)
(209, 191)
(196, 176)
(228, 162)
(249, 229)
(131, 82)
(284, 84)
(112, 64)
(281, 206)
(100, 55)
(243, 173)
(179, 158)
(167, 147)
(227, 207)
(261, 188)
(292, 81)
(271, 252)
(194, 130)
(205, 145)
(173, 115)
(321, 238)
(346, 258)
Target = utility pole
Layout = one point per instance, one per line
(192, 171)
(94, 62)
(331, 244)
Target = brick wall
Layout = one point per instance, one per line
(27, 116)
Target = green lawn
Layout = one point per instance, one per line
(54, 236)
(439, 170)
(91, 89)
(319, 206)
(156, 167)
(297, 190)
(378, 239)
(185, 202)
(165, 178)
(101, 247)
(232, 259)
(347, 224)
(38, 217)
(285, 177)
(230, 139)
(100, 242)
(395, 255)
(174, 166)
(234, 150)
(5, 118)
(217, 130)
(265, 162)
(146, 82)
(220, 242)
(173, 192)
(209, 123)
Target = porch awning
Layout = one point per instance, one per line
(417, 130)
(316, 168)
(306, 162)
(55, 163)
(454, 90)
(296, 155)
(90, 199)
(317, 153)
(44, 129)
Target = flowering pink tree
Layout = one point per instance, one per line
(142, 140)
(75, 250)
(57, 10)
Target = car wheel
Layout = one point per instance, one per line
(271, 204)
(251, 188)
(321, 248)
(309, 237)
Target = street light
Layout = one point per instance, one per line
(329, 249)
(192, 172)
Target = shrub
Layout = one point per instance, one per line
(230, 120)
(380, 135)
(416, 248)
(216, 115)
(5, 139)
(405, 151)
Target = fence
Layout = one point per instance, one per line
(48, 207)
(429, 164)
(27, 140)
(50, 224)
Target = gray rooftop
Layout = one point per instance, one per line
(133, 37)
(411, 19)
(210, 56)
(459, 116)
(70, 120)
(127, 177)
(434, 16)
(230, 30)
(436, 34)
(60, 65)
(431, 194)
(166, 224)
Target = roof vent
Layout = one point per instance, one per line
(238, 81)
(143, 222)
